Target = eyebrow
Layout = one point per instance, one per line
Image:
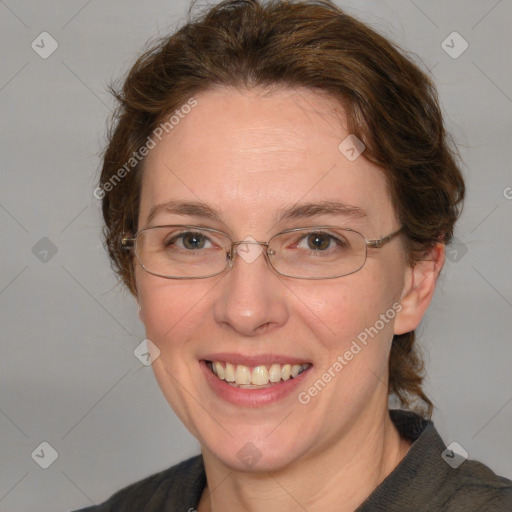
(190, 208)
(296, 211)
(306, 210)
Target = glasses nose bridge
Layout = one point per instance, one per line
(233, 253)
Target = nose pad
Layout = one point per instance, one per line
(249, 250)
(230, 255)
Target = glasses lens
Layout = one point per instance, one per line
(318, 253)
(182, 251)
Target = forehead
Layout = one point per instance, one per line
(252, 153)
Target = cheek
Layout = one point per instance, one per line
(173, 314)
(339, 311)
(171, 311)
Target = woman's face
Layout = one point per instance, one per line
(249, 157)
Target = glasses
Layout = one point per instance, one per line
(194, 252)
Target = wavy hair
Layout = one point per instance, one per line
(390, 103)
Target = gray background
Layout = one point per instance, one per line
(68, 373)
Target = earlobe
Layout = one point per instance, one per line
(419, 286)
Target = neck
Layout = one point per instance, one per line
(345, 473)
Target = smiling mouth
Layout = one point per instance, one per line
(256, 377)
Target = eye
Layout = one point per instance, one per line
(317, 241)
(189, 240)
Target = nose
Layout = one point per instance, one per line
(252, 299)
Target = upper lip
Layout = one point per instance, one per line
(254, 360)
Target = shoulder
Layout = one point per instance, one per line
(178, 484)
(433, 478)
(474, 486)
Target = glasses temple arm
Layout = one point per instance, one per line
(377, 244)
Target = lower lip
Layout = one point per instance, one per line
(251, 397)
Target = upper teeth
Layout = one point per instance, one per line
(258, 375)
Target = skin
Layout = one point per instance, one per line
(248, 154)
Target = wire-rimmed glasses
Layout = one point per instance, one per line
(195, 252)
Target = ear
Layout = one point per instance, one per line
(419, 286)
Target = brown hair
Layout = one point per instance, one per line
(391, 105)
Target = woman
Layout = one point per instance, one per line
(277, 192)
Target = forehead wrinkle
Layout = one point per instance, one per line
(267, 139)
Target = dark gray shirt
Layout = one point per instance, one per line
(422, 482)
